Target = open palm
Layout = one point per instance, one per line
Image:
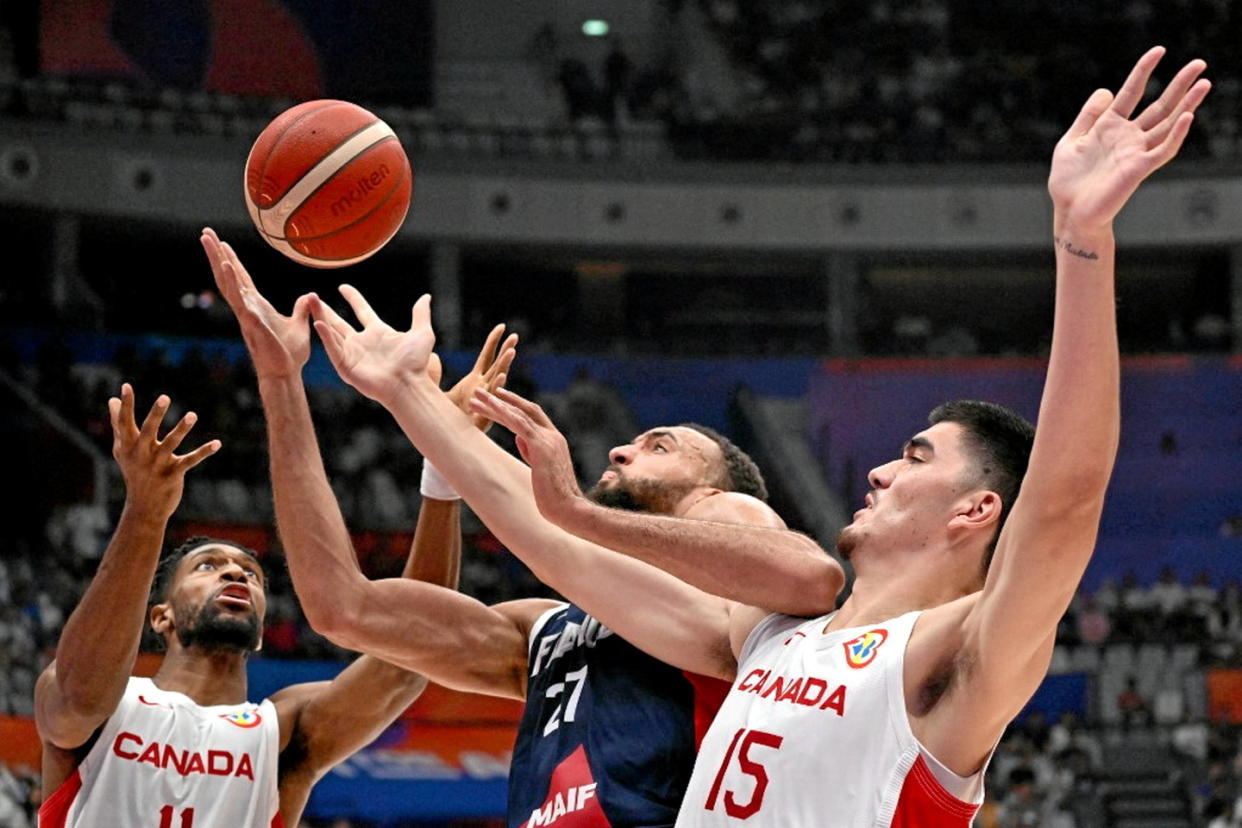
(1106, 154)
(376, 359)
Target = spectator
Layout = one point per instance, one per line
(618, 71)
(1093, 623)
(1135, 710)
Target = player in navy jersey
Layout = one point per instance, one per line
(609, 733)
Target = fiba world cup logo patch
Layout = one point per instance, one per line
(861, 651)
(243, 718)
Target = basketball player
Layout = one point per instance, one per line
(185, 748)
(886, 712)
(608, 734)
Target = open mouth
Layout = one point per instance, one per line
(235, 595)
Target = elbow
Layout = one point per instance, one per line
(817, 590)
(336, 622)
(826, 588)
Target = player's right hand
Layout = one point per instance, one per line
(378, 359)
(279, 345)
(154, 475)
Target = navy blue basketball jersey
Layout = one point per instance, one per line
(609, 734)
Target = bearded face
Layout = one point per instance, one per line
(211, 629)
(655, 496)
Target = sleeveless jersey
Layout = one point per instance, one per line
(162, 761)
(608, 735)
(814, 734)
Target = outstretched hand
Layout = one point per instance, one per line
(279, 345)
(542, 446)
(1106, 154)
(377, 359)
(489, 373)
(154, 476)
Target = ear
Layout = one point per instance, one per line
(161, 618)
(980, 509)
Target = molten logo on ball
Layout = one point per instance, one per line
(364, 186)
(327, 183)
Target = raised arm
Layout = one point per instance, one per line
(728, 544)
(415, 625)
(653, 610)
(1050, 535)
(82, 687)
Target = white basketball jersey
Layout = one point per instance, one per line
(814, 734)
(162, 761)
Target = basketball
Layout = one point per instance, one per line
(327, 183)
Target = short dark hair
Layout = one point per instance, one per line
(1000, 440)
(740, 474)
(168, 564)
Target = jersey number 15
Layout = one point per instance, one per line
(746, 738)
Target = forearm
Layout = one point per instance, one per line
(435, 556)
(316, 541)
(1079, 417)
(761, 566)
(100, 640)
(611, 587)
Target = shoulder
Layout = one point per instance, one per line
(528, 613)
(735, 507)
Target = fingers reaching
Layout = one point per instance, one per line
(1131, 92)
(189, 461)
(151, 425)
(174, 437)
(532, 410)
(1169, 101)
(324, 314)
(486, 404)
(362, 309)
(1091, 111)
(487, 354)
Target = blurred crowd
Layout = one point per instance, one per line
(936, 80)
(917, 82)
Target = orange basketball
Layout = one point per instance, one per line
(327, 183)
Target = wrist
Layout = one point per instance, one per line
(434, 485)
(140, 509)
(279, 383)
(406, 384)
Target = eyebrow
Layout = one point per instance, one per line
(657, 434)
(217, 552)
(918, 443)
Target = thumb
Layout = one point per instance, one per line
(523, 449)
(301, 309)
(333, 344)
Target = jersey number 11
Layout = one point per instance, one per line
(166, 817)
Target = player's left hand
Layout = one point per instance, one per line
(491, 369)
(378, 359)
(1106, 154)
(544, 449)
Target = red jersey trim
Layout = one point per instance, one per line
(924, 803)
(709, 695)
(54, 811)
(277, 822)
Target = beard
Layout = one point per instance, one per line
(211, 630)
(654, 496)
(847, 542)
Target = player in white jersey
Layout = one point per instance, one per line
(886, 712)
(185, 748)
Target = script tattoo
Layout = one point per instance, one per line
(1068, 247)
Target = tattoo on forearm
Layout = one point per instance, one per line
(1068, 247)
